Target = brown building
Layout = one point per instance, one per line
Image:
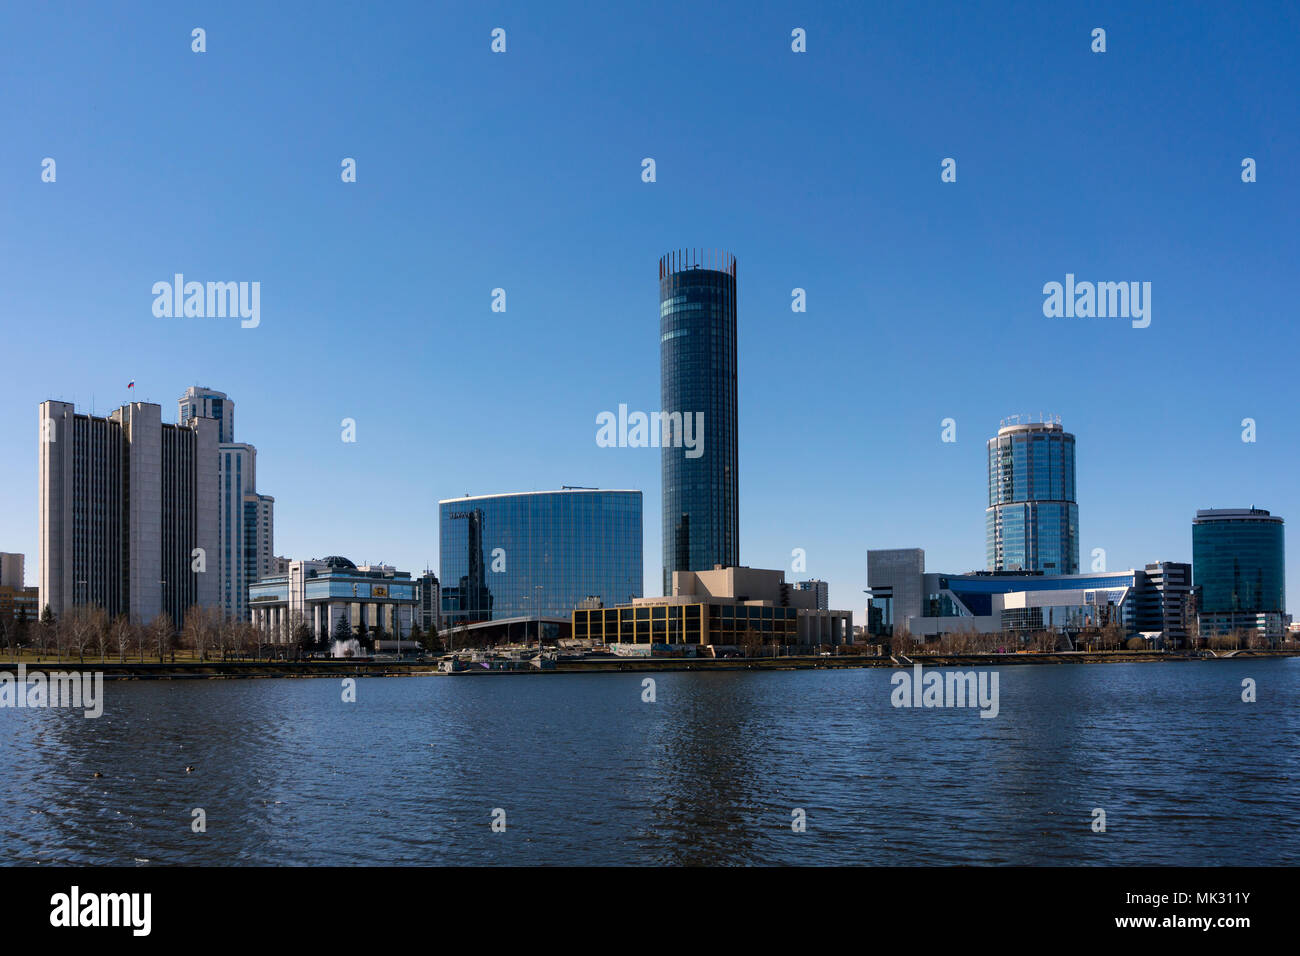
(726, 608)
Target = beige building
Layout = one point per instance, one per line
(127, 511)
(726, 608)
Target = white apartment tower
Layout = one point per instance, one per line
(245, 519)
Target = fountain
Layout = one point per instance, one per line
(349, 648)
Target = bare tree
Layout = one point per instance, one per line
(200, 629)
(103, 632)
(159, 633)
(78, 628)
(123, 637)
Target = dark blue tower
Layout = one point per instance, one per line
(697, 356)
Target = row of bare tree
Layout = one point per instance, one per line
(88, 631)
(1109, 638)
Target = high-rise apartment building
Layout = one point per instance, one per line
(1032, 520)
(697, 362)
(246, 519)
(127, 511)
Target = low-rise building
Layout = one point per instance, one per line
(331, 593)
(724, 609)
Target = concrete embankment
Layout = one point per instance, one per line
(234, 670)
(230, 670)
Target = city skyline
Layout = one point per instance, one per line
(911, 319)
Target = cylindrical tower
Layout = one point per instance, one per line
(697, 362)
(1032, 521)
(1239, 561)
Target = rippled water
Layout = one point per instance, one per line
(708, 774)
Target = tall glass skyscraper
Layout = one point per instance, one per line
(507, 556)
(697, 364)
(1032, 521)
(1239, 565)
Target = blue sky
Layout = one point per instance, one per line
(522, 171)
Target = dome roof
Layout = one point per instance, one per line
(335, 561)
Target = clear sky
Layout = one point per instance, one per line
(522, 170)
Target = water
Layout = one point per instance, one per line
(709, 774)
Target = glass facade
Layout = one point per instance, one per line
(496, 551)
(1032, 520)
(1238, 561)
(697, 362)
(667, 624)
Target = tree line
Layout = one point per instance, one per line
(88, 631)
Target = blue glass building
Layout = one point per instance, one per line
(513, 555)
(697, 363)
(1239, 566)
(1032, 520)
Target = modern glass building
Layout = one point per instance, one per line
(1032, 520)
(539, 553)
(1238, 564)
(697, 363)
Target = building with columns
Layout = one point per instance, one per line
(371, 599)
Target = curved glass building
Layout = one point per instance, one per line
(1239, 566)
(507, 556)
(697, 363)
(1032, 520)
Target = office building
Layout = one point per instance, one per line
(330, 594)
(11, 570)
(819, 588)
(1239, 566)
(245, 518)
(894, 580)
(1165, 601)
(697, 362)
(127, 511)
(537, 554)
(1032, 520)
(716, 612)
